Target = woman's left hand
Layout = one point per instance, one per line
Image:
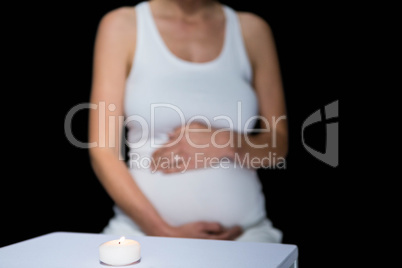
(193, 146)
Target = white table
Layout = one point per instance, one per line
(80, 250)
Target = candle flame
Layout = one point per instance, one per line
(121, 240)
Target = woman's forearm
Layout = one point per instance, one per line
(264, 149)
(118, 183)
(259, 150)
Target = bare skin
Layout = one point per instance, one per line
(193, 30)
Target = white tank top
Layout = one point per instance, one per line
(163, 92)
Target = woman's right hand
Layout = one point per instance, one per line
(205, 230)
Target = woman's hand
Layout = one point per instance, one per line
(193, 146)
(205, 230)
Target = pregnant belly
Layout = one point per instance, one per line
(230, 195)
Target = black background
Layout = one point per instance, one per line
(48, 184)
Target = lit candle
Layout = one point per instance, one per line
(120, 252)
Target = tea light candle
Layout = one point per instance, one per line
(120, 252)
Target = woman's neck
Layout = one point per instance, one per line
(185, 8)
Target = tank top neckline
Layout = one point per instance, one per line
(177, 59)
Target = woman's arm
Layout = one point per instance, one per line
(267, 82)
(110, 68)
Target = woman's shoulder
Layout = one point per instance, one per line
(252, 23)
(118, 20)
(117, 31)
(256, 33)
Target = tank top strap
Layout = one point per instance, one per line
(237, 48)
(146, 50)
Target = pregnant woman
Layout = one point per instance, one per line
(188, 79)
